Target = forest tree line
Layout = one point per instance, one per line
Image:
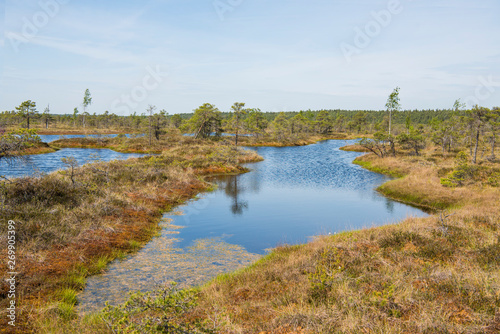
(26, 115)
(475, 128)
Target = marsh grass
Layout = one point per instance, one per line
(292, 140)
(439, 274)
(69, 296)
(70, 230)
(134, 144)
(36, 148)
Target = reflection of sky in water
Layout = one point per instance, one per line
(295, 193)
(50, 162)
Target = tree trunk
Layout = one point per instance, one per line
(470, 144)
(493, 139)
(390, 121)
(393, 148)
(476, 146)
(236, 134)
(199, 131)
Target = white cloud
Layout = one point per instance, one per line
(85, 48)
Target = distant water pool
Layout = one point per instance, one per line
(46, 163)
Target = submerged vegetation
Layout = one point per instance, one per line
(438, 274)
(424, 275)
(76, 221)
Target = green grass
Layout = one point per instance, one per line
(73, 230)
(377, 169)
(69, 296)
(438, 274)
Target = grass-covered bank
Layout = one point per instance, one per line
(14, 144)
(297, 140)
(419, 180)
(439, 274)
(36, 148)
(123, 144)
(70, 224)
(67, 130)
(142, 145)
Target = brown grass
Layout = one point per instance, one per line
(439, 274)
(409, 278)
(127, 145)
(66, 130)
(297, 140)
(354, 148)
(69, 231)
(419, 178)
(36, 148)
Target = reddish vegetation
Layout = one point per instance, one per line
(44, 269)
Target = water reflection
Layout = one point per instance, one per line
(33, 165)
(294, 194)
(233, 191)
(389, 204)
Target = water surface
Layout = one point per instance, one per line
(38, 164)
(294, 194)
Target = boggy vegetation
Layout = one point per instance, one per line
(475, 128)
(438, 274)
(72, 223)
(429, 275)
(21, 142)
(131, 144)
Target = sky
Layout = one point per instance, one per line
(274, 55)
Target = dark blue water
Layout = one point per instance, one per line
(294, 194)
(46, 163)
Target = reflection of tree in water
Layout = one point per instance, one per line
(232, 190)
(253, 181)
(389, 204)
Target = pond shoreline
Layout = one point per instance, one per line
(249, 210)
(65, 268)
(227, 282)
(383, 278)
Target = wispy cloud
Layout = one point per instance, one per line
(271, 54)
(86, 48)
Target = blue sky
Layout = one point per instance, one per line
(273, 55)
